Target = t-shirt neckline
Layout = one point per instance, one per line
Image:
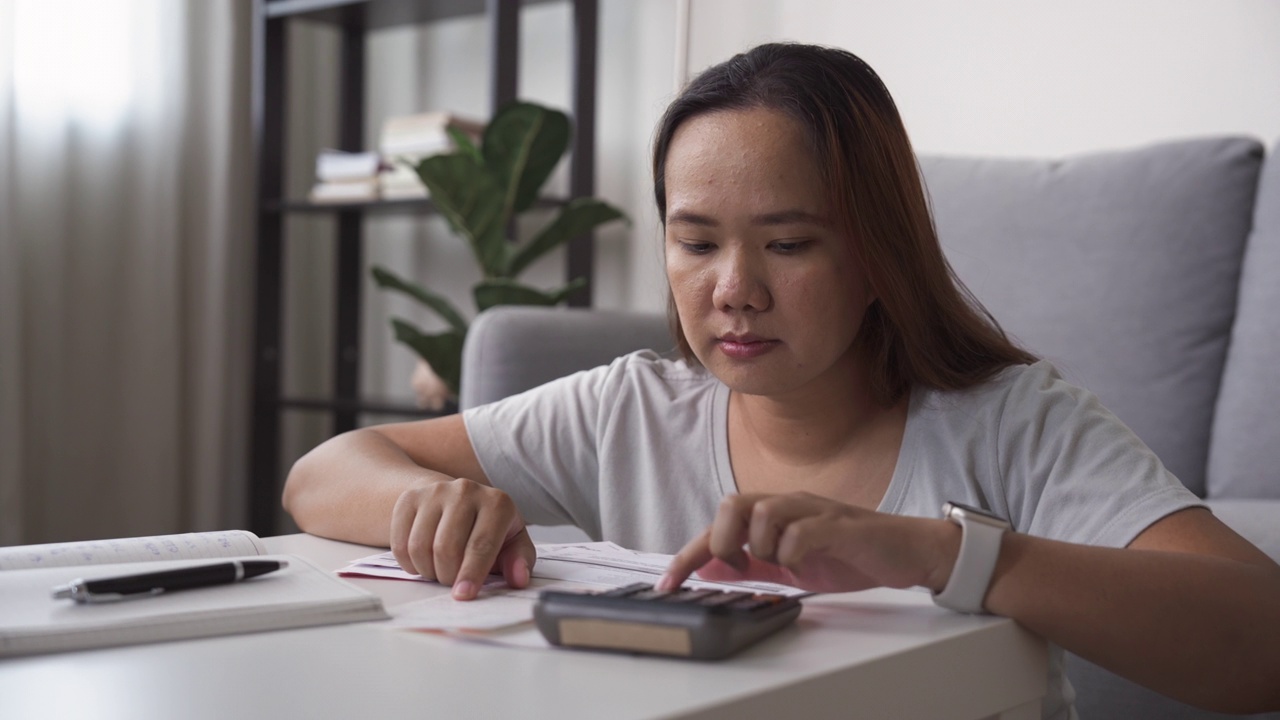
(902, 470)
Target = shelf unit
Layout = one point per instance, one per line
(354, 19)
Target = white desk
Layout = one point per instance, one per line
(877, 654)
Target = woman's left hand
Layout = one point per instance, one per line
(818, 544)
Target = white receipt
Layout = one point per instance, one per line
(497, 607)
(602, 564)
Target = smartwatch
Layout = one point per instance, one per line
(979, 548)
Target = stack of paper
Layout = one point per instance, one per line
(504, 616)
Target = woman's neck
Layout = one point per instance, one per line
(819, 421)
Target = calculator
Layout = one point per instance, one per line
(690, 623)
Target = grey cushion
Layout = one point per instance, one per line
(1258, 521)
(510, 349)
(1120, 267)
(1244, 455)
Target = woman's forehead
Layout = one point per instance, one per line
(758, 157)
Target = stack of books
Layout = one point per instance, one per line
(407, 139)
(346, 177)
(388, 174)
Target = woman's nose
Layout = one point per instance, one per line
(740, 284)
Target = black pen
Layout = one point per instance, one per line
(149, 584)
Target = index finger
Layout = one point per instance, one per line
(691, 557)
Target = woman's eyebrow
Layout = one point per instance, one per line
(686, 217)
(789, 217)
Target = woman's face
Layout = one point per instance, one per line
(766, 287)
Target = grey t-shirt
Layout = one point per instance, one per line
(637, 452)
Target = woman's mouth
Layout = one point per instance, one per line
(744, 347)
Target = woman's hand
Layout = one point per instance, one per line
(457, 532)
(817, 544)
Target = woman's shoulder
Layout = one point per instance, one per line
(649, 371)
(1017, 387)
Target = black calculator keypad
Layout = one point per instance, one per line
(735, 600)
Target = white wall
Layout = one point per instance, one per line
(1011, 77)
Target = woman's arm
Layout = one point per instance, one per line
(1190, 609)
(419, 488)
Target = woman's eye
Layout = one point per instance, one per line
(694, 247)
(788, 246)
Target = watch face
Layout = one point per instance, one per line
(957, 511)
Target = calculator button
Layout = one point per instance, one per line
(650, 594)
(687, 596)
(748, 604)
(627, 590)
(723, 598)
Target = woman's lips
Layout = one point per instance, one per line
(743, 348)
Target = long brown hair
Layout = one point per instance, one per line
(924, 327)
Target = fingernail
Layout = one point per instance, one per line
(664, 583)
(521, 572)
(464, 590)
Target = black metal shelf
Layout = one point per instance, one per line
(409, 205)
(355, 19)
(378, 14)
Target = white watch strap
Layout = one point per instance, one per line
(971, 576)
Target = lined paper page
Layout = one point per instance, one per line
(183, 546)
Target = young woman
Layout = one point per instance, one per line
(838, 388)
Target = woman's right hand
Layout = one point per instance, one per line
(457, 532)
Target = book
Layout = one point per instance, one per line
(400, 182)
(351, 191)
(339, 166)
(414, 137)
(32, 621)
(182, 546)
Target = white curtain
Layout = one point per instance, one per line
(125, 266)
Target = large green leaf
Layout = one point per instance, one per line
(464, 144)
(521, 146)
(443, 352)
(504, 291)
(470, 199)
(442, 307)
(579, 217)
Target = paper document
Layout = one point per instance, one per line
(600, 564)
(497, 607)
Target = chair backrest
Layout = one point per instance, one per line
(510, 349)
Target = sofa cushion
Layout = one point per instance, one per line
(1120, 267)
(1257, 521)
(1244, 455)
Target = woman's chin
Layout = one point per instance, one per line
(752, 378)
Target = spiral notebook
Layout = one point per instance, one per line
(32, 621)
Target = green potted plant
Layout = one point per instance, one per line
(480, 191)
